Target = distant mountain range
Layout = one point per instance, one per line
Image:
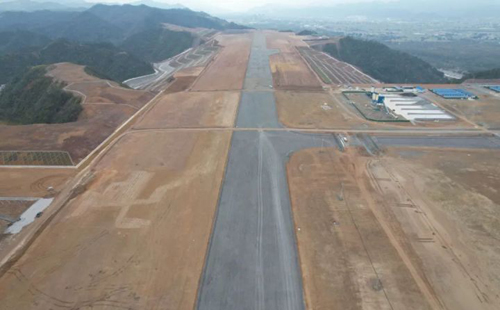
(72, 5)
(106, 23)
(117, 41)
(380, 9)
(31, 6)
(160, 5)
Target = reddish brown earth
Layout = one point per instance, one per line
(227, 70)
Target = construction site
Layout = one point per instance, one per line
(254, 172)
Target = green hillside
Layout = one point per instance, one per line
(107, 23)
(103, 58)
(488, 74)
(13, 41)
(157, 44)
(383, 63)
(36, 98)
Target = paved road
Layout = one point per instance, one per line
(252, 260)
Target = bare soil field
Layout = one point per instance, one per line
(414, 229)
(191, 71)
(31, 182)
(78, 138)
(184, 79)
(285, 42)
(288, 68)
(180, 84)
(95, 123)
(95, 90)
(291, 73)
(136, 238)
(312, 110)
(70, 73)
(228, 68)
(347, 259)
(484, 112)
(192, 109)
(308, 110)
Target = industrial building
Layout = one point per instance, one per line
(411, 108)
(495, 88)
(404, 89)
(456, 93)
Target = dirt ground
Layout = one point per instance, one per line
(32, 182)
(70, 73)
(290, 72)
(190, 71)
(137, 238)
(395, 232)
(285, 42)
(308, 110)
(95, 90)
(192, 109)
(287, 67)
(485, 111)
(95, 123)
(227, 70)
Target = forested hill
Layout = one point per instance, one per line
(135, 36)
(158, 44)
(383, 63)
(13, 41)
(486, 75)
(103, 58)
(36, 98)
(110, 23)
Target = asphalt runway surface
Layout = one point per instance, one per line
(258, 76)
(257, 107)
(252, 260)
(257, 110)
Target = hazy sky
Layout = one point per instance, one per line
(241, 5)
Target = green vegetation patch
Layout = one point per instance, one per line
(384, 63)
(158, 44)
(31, 158)
(37, 98)
(486, 75)
(104, 59)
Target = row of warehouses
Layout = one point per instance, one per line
(395, 100)
(411, 108)
(494, 88)
(453, 93)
